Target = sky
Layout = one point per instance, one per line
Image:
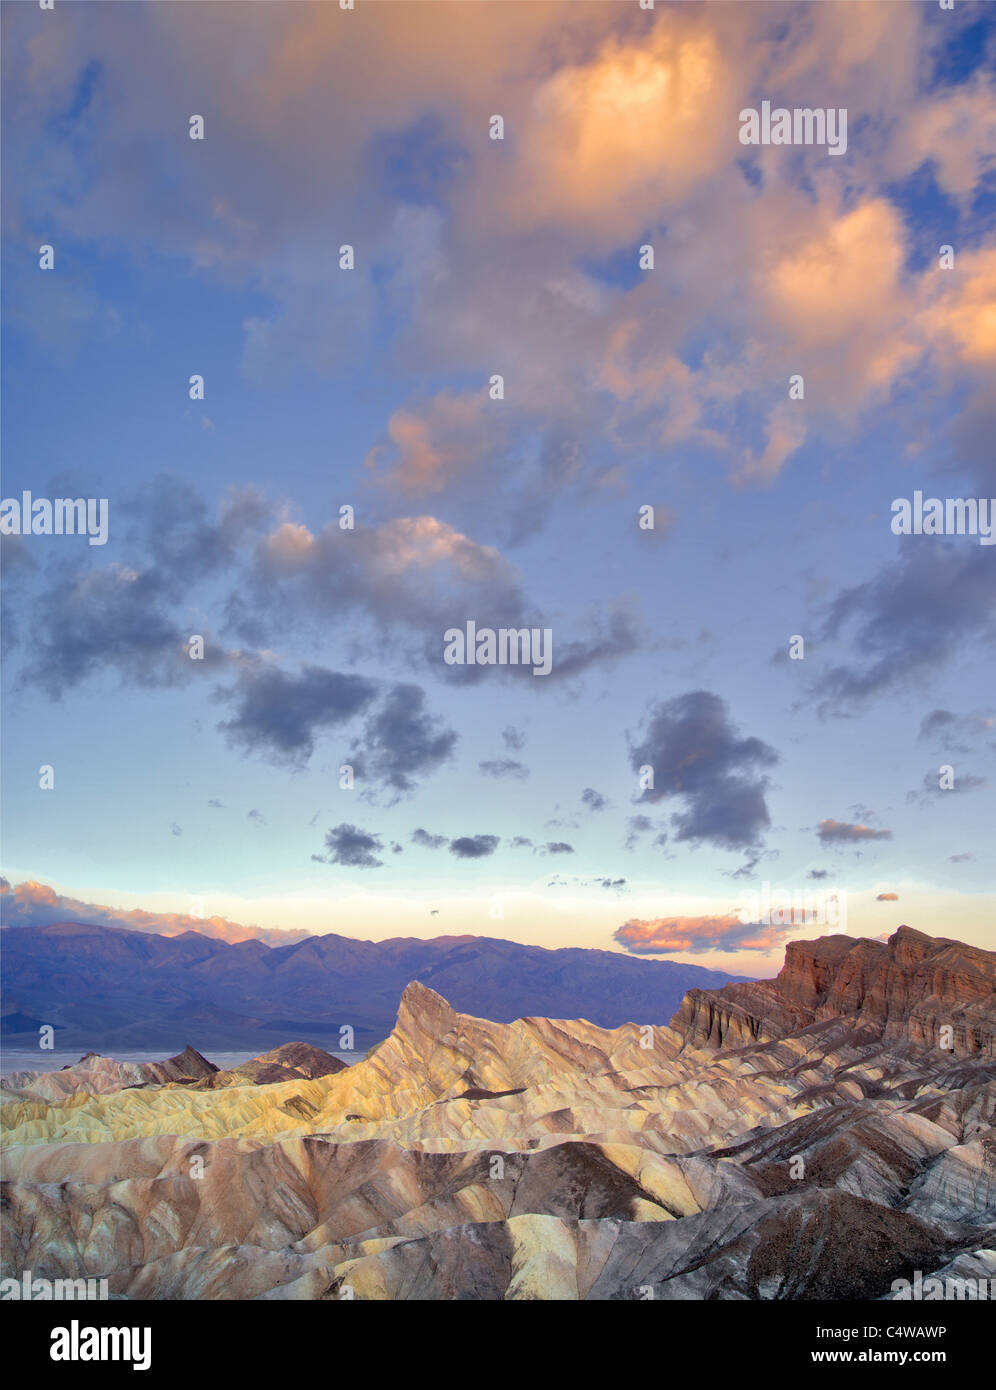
(353, 484)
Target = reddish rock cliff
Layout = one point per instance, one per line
(911, 987)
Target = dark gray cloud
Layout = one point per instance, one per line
(909, 621)
(474, 846)
(278, 715)
(514, 739)
(698, 757)
(176, 829)
(960, 858)
(113, 619)
(818, 873)
(617, 636)
(594, 800)
(351, 847)
(216, 805)
(504, 767)
(123, 617)
(554, 847)
(174, 529)
(427, 841)
(838, 832)
(522, 842)
(401, 739)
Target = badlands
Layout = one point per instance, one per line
(822, 1135)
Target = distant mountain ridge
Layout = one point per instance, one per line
(547, 1158)
(107, 987)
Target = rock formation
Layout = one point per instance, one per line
(911, 987)
(817, 1136)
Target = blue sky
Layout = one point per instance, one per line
(623, 388)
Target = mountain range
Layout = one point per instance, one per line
(823, 1136)
(110, 988)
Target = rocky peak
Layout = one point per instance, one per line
(423, 1010)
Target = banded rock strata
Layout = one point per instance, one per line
(813, 1154)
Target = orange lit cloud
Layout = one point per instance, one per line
(32, 904)
(696, 934)
(437, 441)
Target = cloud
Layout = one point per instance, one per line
(351, 847)
(696, 935)
(432, 446)
(280, 715)
(843, 324)
(836, 832)
(407, 574)
(256, 817)
(32, 904)
(637, 826)
(427, 841)
(555, 847)
(408, 577)
(514, 739)
(698, 757)
(474, 846)
(960, 858)
(576, 179)
(504, 767)
(122, 617)
(818, 873)
(401, 739)
(909, 621)
(114, 619)
(961, 733)
(955, 134)
(887, 898)
(617, 635)
(594, 800)
(932, 786)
